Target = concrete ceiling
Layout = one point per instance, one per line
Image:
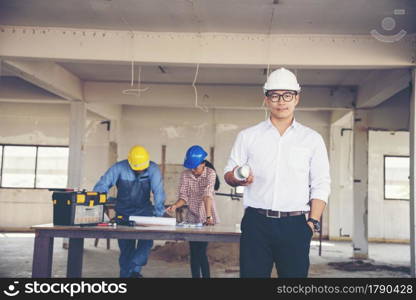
(222, 16)
(234, 16)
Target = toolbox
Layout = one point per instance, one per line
(78, 208)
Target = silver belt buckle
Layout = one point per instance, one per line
(275, 217)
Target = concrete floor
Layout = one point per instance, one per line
(17, 249)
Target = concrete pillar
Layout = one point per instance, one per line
(360, 203)
(412, 175)
(76, 144)
(76, 148)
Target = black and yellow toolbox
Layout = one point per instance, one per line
(78, 207)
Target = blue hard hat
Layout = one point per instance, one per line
(194, 157)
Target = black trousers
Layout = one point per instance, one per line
(283, 242)
(199, 259)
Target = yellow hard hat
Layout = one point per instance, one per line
(138, 158)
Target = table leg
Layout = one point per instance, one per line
(42, 256)
(75, 253)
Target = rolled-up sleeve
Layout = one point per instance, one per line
(238, 156)
(209, 189)
(320, 179)
(156, 183)
(183, 190)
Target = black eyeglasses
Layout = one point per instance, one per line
(287, 97)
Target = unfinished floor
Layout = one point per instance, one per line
(171, 260)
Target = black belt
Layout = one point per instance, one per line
(278, 214)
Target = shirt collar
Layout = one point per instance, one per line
(294, 124)
(269, 123)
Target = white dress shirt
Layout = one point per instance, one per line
(288, 170)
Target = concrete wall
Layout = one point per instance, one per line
(180, 128)
(41, 124)
(388, 219)
(96, 150)
(45, 124)
(340, 206)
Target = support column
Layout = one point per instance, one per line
(412, 205)
(76, 148)
(360, 203)
(76, 144)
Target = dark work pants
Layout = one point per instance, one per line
(199, 259)
(133, 255)
(283, 242)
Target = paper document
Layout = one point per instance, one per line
(185, 224)
(153, 220)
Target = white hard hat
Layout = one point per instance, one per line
(281, 79)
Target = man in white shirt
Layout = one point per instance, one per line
(288, 186)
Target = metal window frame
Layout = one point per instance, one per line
(384, 177)
(36, 163)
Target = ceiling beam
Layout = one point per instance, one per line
(14, 89)
(212, 96)
(49, 76)
(295, 51)
(106, 110)
(381, 85)
(341, 118)
(105, 98)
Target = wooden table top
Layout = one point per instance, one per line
(216, 229)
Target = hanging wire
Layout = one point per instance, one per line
(131, 91)
(269, 34)
(132, 73)
(203, 108)
(135, 92)
(198, 21)
(139, 82)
